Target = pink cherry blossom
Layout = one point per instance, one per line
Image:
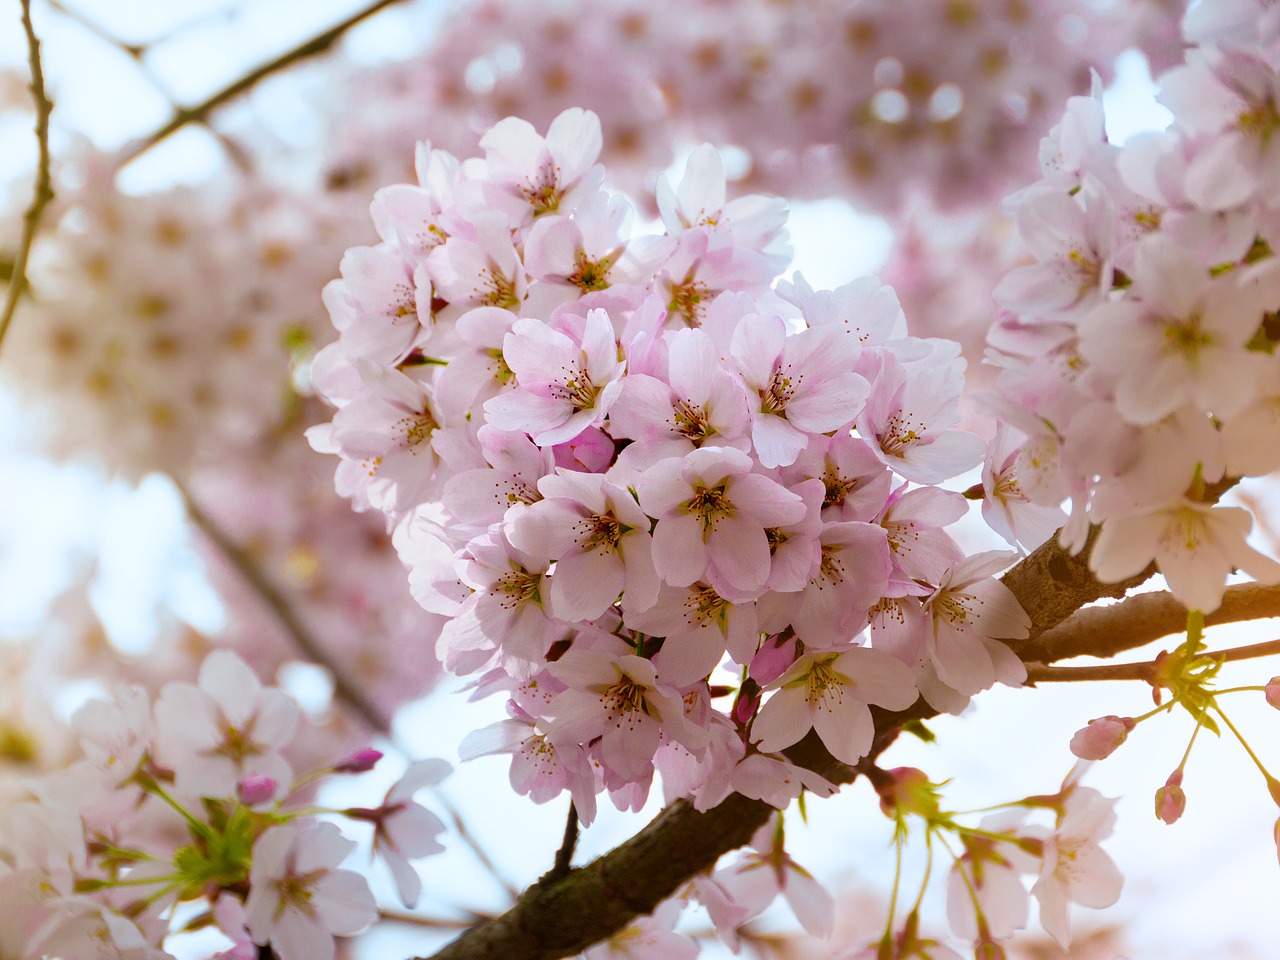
(599, 538)
(1195, 546)
(620, 700)
(712, 513)
(801, 384)
(564, 383)
(404, 830)
(228, 726)
(1076, 869)
(1101, 737)
(298, 900)
(829, 692)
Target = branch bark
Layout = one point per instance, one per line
(561, 916)
(1141, 619)
(199, 113)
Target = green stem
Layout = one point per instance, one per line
(1191, 743)
(198, 828)
(1247, 749)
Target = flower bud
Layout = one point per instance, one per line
(362, 761)
(254, 789)
(748, 702)
(1171, 801)
(1272, 692)
(907, 790)
(1100, 738)
(776, 654)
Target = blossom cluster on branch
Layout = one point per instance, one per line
(1137, 353)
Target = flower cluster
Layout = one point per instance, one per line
(614, 462)
(848, 97)
(1138, 351)
(163, 324)
(191, 800)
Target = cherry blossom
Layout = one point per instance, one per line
(712, 512)
(225, 727)
(298, 900)
(830, 693)
(1076, 869)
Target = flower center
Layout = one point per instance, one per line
(691, 422)
(600, 532)
(710, 505)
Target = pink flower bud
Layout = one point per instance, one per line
(744, 708)
(362, 761)
(1100, 738)
(1272, 692)
(254, 789)
(776, 654)
(1171, 801)
(907, 790)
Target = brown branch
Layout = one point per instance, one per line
(1038, 673)
(564, 856)
(1052, 584)
(199, 113)
(1142, 619)
(43, 191)
(134, 51)
(431, 923)
(563, 916)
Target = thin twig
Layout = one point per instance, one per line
(134, 51)
(565, 854)
(200, 112)
(43, 192)
(306, 642)
(284, 613)
(466, 836)
(1038, 673)
(137, 53)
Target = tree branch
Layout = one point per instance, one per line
(564, 856)
(563, 916)
(1142, 619)
(200, 112)
(43, 191)
(137, 52)
(1052, 584)
(283, 611)
(1038, 673)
